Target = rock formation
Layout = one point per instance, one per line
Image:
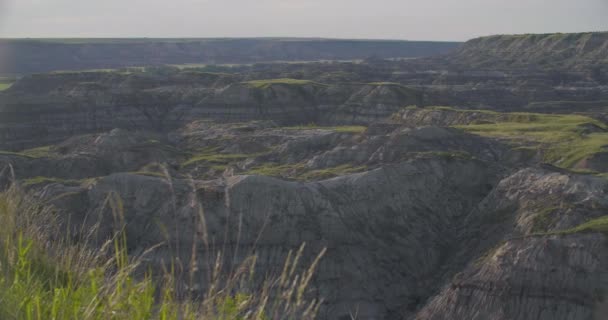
(427, 212)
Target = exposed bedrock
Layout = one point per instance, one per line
(46, 108)
(424, 239)
(388, 231)
(525, 257)
(62, 108)
(428, 213)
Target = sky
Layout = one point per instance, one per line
(456, 20)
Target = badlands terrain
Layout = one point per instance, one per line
(447, 181)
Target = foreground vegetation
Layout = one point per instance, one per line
(43, 276)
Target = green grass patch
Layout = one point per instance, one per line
(595, 225)
(332, 172)
(264, 84)
(46, 278)
(5, 85)
(156, 170)
(40, 152)
(277, 170)
(386, 84)
(47, 180)
(343, 129)
(149, 174)
(213, 158)
(563, 138)
(189, 65)
(566, 104)
(11, 153)
(451, 155)
(299, 171)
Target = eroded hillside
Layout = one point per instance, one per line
(426, 212)
(565, 51)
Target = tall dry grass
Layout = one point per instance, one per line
(45, 274)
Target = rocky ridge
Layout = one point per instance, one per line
(24, 56)
(570, 50)
(416, 219)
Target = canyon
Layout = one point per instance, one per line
(468, 183)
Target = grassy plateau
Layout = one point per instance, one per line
(564, 139)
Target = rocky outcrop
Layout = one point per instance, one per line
(92, 156)
(64, 105)
(374, 102)
(434, 223)
(597, 162)
(403, 143)
(528, 264)
(370, 222)
(412, 191)
(281, 101)
(443, 117)
(539, 50)
(432, 238)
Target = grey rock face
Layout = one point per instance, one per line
(446, 233)
(436, 224)
(91, 156)
(53, 113)
(404, 215)
(48, 108)
(531, 271)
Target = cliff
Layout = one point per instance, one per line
(570, 50)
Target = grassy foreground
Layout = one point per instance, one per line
(46, 277)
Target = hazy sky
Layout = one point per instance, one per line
(386, 19)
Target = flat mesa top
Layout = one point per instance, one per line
(187, 39)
